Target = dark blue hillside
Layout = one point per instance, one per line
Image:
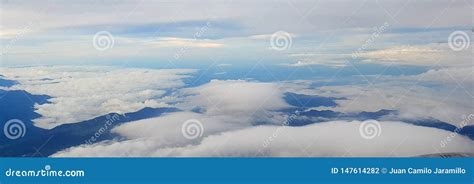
(39, 142)
(68, 135)
(468, 131)
(305, 101)
(315, 116)
(19, 105)
(6, 83)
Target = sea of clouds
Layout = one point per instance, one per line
(237, 117)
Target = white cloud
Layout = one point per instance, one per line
(323, 139)
(235, 97)
(448, 76)
(166, 130)
(420, 55)
(332, 60)
(184, 42)
(410, 100)
(81, 93)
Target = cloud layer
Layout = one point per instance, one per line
(411, 101)
(325, 139)
(420, 55)
(239, 117)
(150, 27)
(82, 93)
(229, 129)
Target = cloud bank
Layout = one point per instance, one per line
(229, 128)
(411, 101)
(82, 93)
(420, 55)
(238, 117)
(237, 97)
(338, 138)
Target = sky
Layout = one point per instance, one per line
(62, 32)
(243, 70)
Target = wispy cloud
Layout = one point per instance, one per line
(183, 42)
